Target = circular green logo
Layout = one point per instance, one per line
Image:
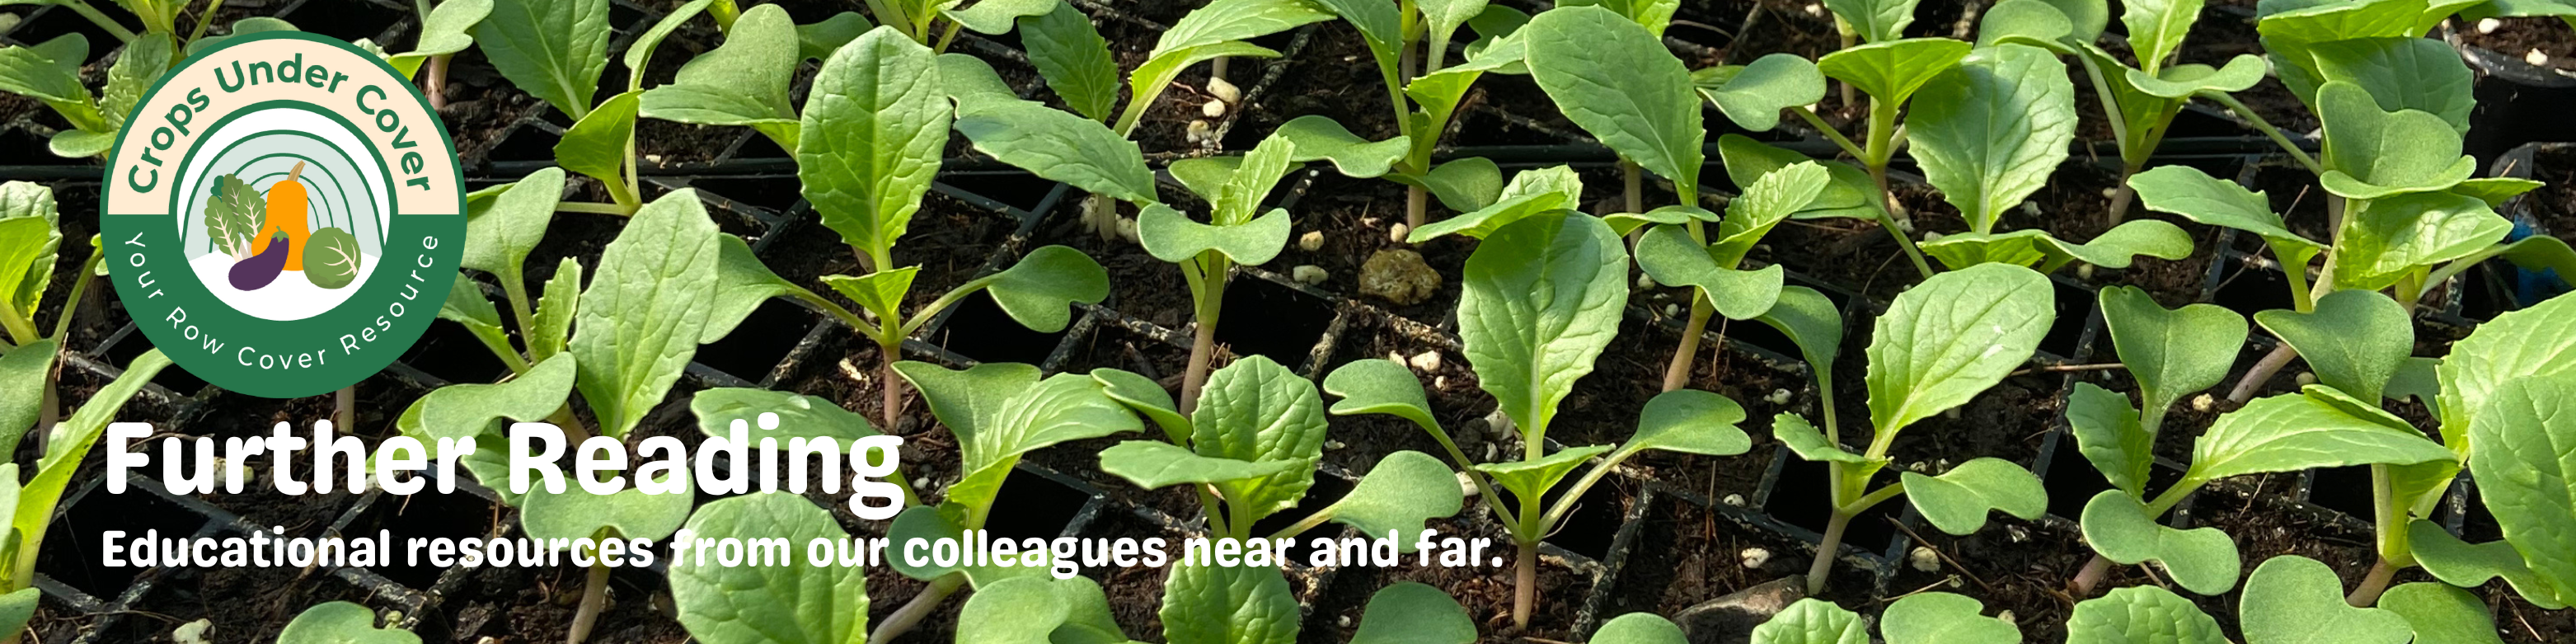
(283, 214)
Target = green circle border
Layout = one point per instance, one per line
(384, 289)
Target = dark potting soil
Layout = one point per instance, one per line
(949, 240)
(1483, 590)
(243, 604)
(2518, 38)
(1335, 77)
(2015, 567)
(2554, 204)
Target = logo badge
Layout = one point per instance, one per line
(283, 214)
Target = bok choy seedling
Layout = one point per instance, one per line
(32, 504)
(2171, 353)
(31, 239)
(1917, 618)
(1939, 345)
(1396, 35)
(1543, 299)
(763, 604)
(1251, 450)
(1038, 609)
(341, 623)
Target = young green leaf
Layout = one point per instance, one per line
(1256, 410)
(2109, 434)
(1070, 54)
(640, 321)
(19, 606)
(1229, 20)
(628, 513)
(554, 49)
(799, 415)
(2141, 615)
(500, 236)
(1463, 185)
(1059, 146)
(1530, 192)
(930, 524)
(2029, 22)
(742, 284)
(1639, 628)
(1753, 95)
(1957, 500)
(22, 390)
(2171, 352)
(2295, 600)
(471, 411)
(2529, 343)
(2388, 238)
(1849, 194)
(2441, 614)
(2183, 81)
(1039, 291)
(1215, 604)
(2373, 153)
(2186, 191)
(1035, 610)
(1875, 20)
(1154, 465)
(2354, 340)
(50, 71)
(1171, 236)
(2157, 27)
(1892, 70)
(338, 623)
(1144, 396)
(1616, 80)
(2201, 560)
(742, 82)
(1992, 129)
(1532, 478)
(1542, 300)
(447, 29)
(2524, 465)
(1953, 336)
(1380, 387)
(65, 446)
(596, 146)
(1802, 438)
(1414, 613)
(1813, 621)
(2304, 431)
(1939, 618)
(140, 66)
(999, 411)
(1320, 138)
(2468, 565)
(791, 603)
(2115, 248)
(1668, 254)
(1811, 321)
(2402, 73)
(871, 137)
(562, 300)
(991, 17)
(1406, 489)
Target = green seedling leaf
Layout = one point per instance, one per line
(596, 146)
(1144, 396)
(332, 258)
(2171, 352)
(447, 29)
(141, 65)
(1616, 80)
(639, 323)
(991, 17)
(1414, 613)
(2495, 190)
(30, 240)
(2386, 239)
(742, 285)
(1214, 604)
(1639, 628)
(2295, 600)
(19, 606)
(252, 25)
(1406, 489)
(1250, 179)
(2441, 614)
(1320, 138)
(50, 71)
(1811, 321)
(974, 85)
(1040, 291)
(1953, 336)
(999, 411)
(335, 623)
(1155, 465)
(1531, 192)
(1542, 300)
(2183, 81)
(1766, 202)
(2086, 18)
(799, 415)
(1892, 70)
(473, 411)
(65, 446)
(2109, 434)
(2402, 73)
(1147, 82)
(639, 54)
(1813, 621)
(2468, 565)
(1441, 18)
(2029, 22)
(742, 82)
(2526, 458)
(2157, 27)
(1875, 20)
(1937, 618)
(2355, 340)
(554, 49)
(1231, 20)
(1625, 223)
(1990, 131)
(1038, 610)
(22, 390)
(1803, 439)
(1070, 54)
(1668, 254)
(629, 513)
(1463, 185)
(499, 237)
(871, 136)
(932, 523)
(1957, 501)
(1380, 387)
(1848, 194)
(1529, 479)
(1691, 422)
(2518, 345)
(1059, 146)
(1256, 410)
(2201, 560)
(786, 604)
(2115, 248)
(2186, 191)
(2373, 153)
(2141, 615)
(2309, 430)
(1753, 95)
(1654, 15)
(1172, 237)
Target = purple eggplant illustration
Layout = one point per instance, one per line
(258, 270)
